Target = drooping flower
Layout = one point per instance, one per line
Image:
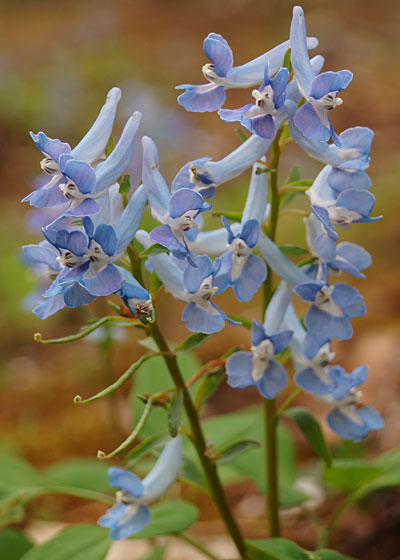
(131, 514)
(319, 91)
(136, 298)
(221, 74)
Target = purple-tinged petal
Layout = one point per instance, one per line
(46, 197)
(194, 276)
(186, 199)
(273, 381)
(262, 126)
(345, 296)
(165, 237)
(228, 228)
(326, 326)
(74, 241)
(106, 282)
(328, 82)
(238, 369)
(49, 146)
(130, 219)
(279, 83)
(86, 207)
(81, 173)
(76, 295)
(156, 188)
(206, 97)
(49, 306)
(309, 123)
(342, 179)
(41, 254)
(302, 68)
(234, 115)
(250, 279)
(250, 233)
(358, 200)
(257, 333)
(355, 254)
(308, 291)
(112, 516)
(131, 524)
(357, 137)
(125, 480)
(197, 319)
(219, 52)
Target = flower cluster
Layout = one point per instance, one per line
(83, 254)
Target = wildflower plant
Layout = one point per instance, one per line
(95, 247)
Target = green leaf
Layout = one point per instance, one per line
(168, 518)
(242, 135)
(311, 430)
(149, 444)
(85, 542)
(299, 183)
(352, 474)
(175, 414)
(209, 384)
(294, 175)
(287, 61)
(292, 250)
(234, 451)
(88, 474)
(125, 185)
(275, 549)
(153, 250)
(193, 341)
(109, 146)
(243, 320)
(17, 475)
(234, 216)
(13, 544)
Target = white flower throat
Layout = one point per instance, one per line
(204, 294)
(264, 104)
(240, 253)
(262, 354)
(324, 301)
(49, 166)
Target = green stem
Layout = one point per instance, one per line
(197, 545)
(287, 402)
(199, 441)
(271, 445)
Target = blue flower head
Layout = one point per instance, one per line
(136, 298)
(240, 269)
(269, 98)
(258, 367)
(131, 514)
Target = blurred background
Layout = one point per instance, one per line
(57, 63)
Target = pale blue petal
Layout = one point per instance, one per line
(302, 68)
(206, 97)
(81, 173)
(310, 382)
(234, 115)
(219, 52)
(262, 126)
(46, 197)
(166, 238)
(112, 516)
(186, 199)
(355, 254)
(344, 426)
(329, 82)
(308, 291)
(277, 307)
(256, 201)
(107, 238)
(106, 282)
(125, 480)
(238, 369)
(280, 340)
(93, 144)
(49, 146)
(77, 295)
(273, 381)
(250, 233)
(308, 122)
(342, 179)
(359, 200)
(257, 333)
(86, 207)
(131, 525)
(326, 326)
(116, 163)
(156, 188)
(165, 471)
(74, 241)
(129, 222)
(194, 276)
(279, 83)
(41, 254)
(371, 418)
(280, 264)
(250, 279)
(49, 306)
(197, 319)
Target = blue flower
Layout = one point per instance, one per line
(136, 298)
(177, 213)
(332, 308)
(221, 74)
(258, 367)
(131, 514)
(239, 268)
(76, 183)
(257, 117)
(319, 91)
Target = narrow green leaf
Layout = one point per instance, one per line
(153, 250)
(168, 518)
(352, 474)
(87, 329)
(84, 542)
(234, 451)
(209, 384)
(242, 135)
(243, 320)
(149, 444)
(109, 146)
(88, 474)
(193, 341)
(294, 175)
(287, 61)
(285, 133)
(13, 544)
(193, 474)
(299, 183)
(275, 549)
(292, 250)
(234, 216)
(175, 414)
(125, 185)
(286, 198)
(311, 430)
